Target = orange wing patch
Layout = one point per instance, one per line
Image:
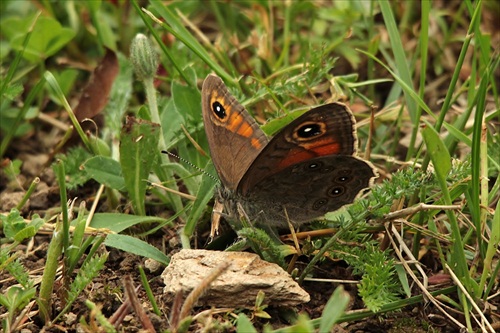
(235, 122)
(256, 143)
(310, 150)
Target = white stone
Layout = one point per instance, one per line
(238, 285)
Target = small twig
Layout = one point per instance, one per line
(23, 316)
(333, 281)
(181, 194)
(408, 252)
(94, 206)
(310, 234)
(152, 16)
(298, 252)
(371, 133)
(193, 142)
(212, 311)
(420, 207)
(54, 122)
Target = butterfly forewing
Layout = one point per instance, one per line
(234, 138)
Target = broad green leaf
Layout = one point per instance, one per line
(187, 100)
(275, 125)
(437, 150)
(244, 325)
(31, 228)
(47, 38)
(136, 246)
(106, 171)
(334, 308)
(138, 152)
(118, 222)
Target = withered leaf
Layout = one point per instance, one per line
(95, 95)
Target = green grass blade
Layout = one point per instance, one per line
(442, 164)
(458, 68)
(49, 273)
(204, 195)
(103, 30)
(424, 44)
(57, 91)
(175, 27)
(474, 204)
(407, 88)
(400, 57)
(493, 243)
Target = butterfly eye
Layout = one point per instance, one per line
(309, 130)
(315, 165)
(219, 110)
(318, 166)
(342, 179)
(319, 203)
(343, 176)
(336, 191)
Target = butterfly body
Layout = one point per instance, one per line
(306, 170)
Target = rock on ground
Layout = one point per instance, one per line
(238, 285)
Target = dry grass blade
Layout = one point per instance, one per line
(202, 287)
(484, 322)
(195, 294)
(394, 231)
(94, 205)
(136, 305)
(121, 312)
(175, 314)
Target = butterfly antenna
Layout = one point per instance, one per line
(190, 164)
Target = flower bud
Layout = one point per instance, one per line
(143, 57)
